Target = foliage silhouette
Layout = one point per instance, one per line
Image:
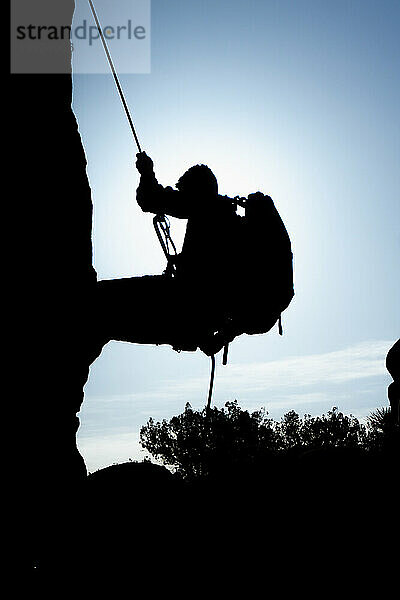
(197, 446)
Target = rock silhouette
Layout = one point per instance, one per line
(51, 328)
(393, 366)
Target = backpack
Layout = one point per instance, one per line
(265, 267)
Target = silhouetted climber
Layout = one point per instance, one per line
(234, 273)
(233, 276)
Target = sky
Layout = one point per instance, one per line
(295, 98)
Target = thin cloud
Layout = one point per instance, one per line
(360, 361)
(356, 362)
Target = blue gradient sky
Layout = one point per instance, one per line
(298, 99)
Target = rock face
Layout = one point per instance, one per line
(393, 366)
(52, 285)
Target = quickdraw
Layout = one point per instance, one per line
(163, 231)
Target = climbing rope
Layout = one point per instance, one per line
(210, 391)
(117, 83)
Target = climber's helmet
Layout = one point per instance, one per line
(198, 181)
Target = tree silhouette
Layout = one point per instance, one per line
(197, 445)
(384, 433)
(334, 430)
(380, 419)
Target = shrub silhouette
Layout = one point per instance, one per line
(196, 445)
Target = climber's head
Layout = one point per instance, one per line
(198, 181)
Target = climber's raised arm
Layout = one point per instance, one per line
(153, 197)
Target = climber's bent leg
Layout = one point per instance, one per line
(153, 309)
